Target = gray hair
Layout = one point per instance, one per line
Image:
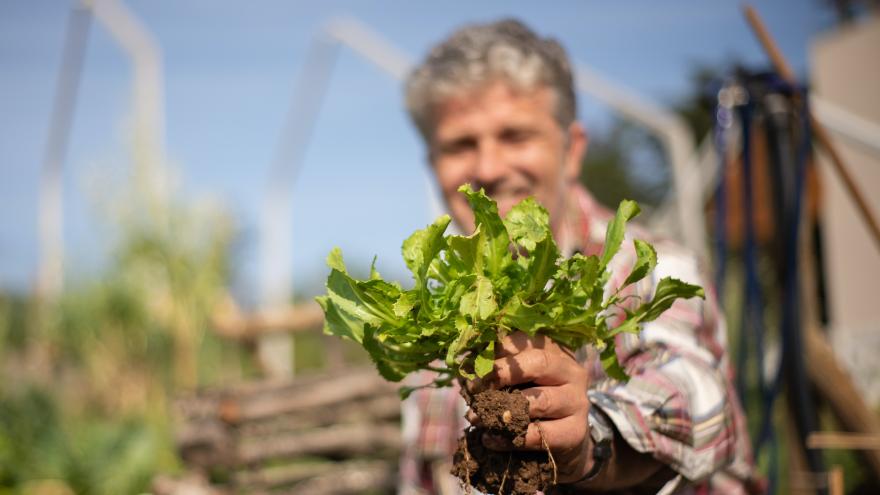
(474, 55)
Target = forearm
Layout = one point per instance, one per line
(657, 415)
(624, 469)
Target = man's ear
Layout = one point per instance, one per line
(577, 149)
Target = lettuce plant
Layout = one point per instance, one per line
(470, 291)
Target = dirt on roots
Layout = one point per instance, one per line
(505, 414)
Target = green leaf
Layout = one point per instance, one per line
(369, 306)
(616, 229)
(420, 249)
(463, 252)
(338, 323)
(541, 265)
(374, 274)
(484, 363)
(528, 223)
(334, 260)
(668, 291)
(630, 325)
(447, 300)
(645, 262)
(404, 304)
(466, 333)
(406, 391)
(479, 303)
(518, 315)
(495, 247)
(610, 363)
(374, 348)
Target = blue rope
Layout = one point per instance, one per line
(723, 121)
(752, 332)
(752, 324)
(806, 414)
(789, 324)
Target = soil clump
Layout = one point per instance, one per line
(504, 414)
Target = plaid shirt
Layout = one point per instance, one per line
(679, 404)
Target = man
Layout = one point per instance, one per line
(496, 106)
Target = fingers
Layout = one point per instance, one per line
(538, 366)
(508, 346)
(523, 359)
(488, 382)
(547, 403)
(567, 438)
(517, 342)
(555, 402)
(559, 434)
(556, 388)
(563, 434)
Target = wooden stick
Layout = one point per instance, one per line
(836, 387)
(843, 440)
(836, 485)
(229, 321)
(323, 394)
(349, 440)
(800, 479)
(372, 476)
(366, 479)
(830, 378)
(781, 66)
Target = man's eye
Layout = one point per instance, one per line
(515, 136)
(458, 146)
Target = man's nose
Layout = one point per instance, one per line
(489, 166)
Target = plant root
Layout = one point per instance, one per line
(467, 459)
(506, 472)
(547, 448)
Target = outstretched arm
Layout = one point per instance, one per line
(559, 408)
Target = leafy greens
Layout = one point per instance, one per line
(470, 291)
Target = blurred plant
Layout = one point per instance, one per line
(849, 11)
(697, 105)
(94, 370)
(44, 451)
(626, 163)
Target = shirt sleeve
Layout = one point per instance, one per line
(679, 404)
(432, 420)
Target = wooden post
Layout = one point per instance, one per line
(800, 480)
(784, 70)
(835, 481)
(835, 385)
(843, 441)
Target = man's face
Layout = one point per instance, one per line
(507, 142)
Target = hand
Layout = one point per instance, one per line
(558, 403)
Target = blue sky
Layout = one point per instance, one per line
(229, 73)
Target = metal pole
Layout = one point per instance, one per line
(148, 101)
(50, 271)
(384, 55)
(676, 138)
(275, 350)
